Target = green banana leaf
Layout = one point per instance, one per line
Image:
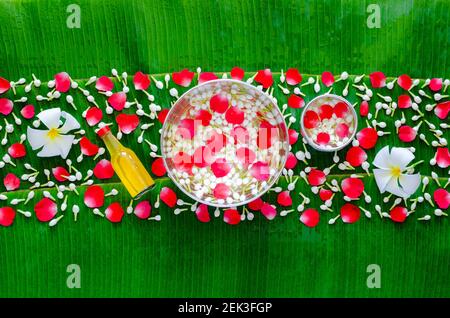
(180, 256)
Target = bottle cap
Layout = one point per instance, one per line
(103, 131)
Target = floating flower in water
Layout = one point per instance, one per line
(390, 176)
(54, 141)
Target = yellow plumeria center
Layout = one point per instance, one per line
(396, 171)
(53, 133)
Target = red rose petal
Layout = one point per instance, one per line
(442, 198)
(367, 138)
(240, 135)
(442, 109)
(114, 212)
(183, 162)
(4, 85)
(217, 142)
(443, 157)
(27, 111)
(399, 214)
(435, 84)
(104, 169)
(202, 213)
(296, 101)
(406, 133)
(94, 196)
(45, 210)
(284, 198)
(88, 148)
(219, 103)
(327, 79)
(405, 82)
(143, 210)
(352, 187)
(104, 84)
(206, 77)
(350, 213)
(203, 157)
(204, 116)
(220, 168)
(158, 168)
(141, 81)
(186, 128)
(127, 122)
(60, 173)
(234, 115)
(325, 194)
(245, 156)
(260, 171)
(325, 111)
(118, 101)
(7, 216)
(323, 138)
(264, 77)
(404, 101)
(93, 116)
(221, 191)
(293, 76)
(256, 204)
(340, 109)
(310, 119)
(62, 82)
(17, 150)
(316, 177)
(310, 217)
(291, 161)
(162, 115)
(231, 216)
(364, 109)
(356, 156)
(267, 135)
(342, 130)
(168, 196)
(293, 136)
(11, 182)
(237, 73)
(6, 106)
(377, 79)
(269, 211)
(183, 78)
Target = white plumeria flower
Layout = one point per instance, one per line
(390, 177)
(53, 141)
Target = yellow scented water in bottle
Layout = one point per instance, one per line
(127, 165)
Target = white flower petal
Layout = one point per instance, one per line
(383, 158)
(50, 149)
(50, 117)
(70, 124)
(401, 157)
(36, 138)
(409, 183)
(64, 143)
(382, 178)
(394, 188)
